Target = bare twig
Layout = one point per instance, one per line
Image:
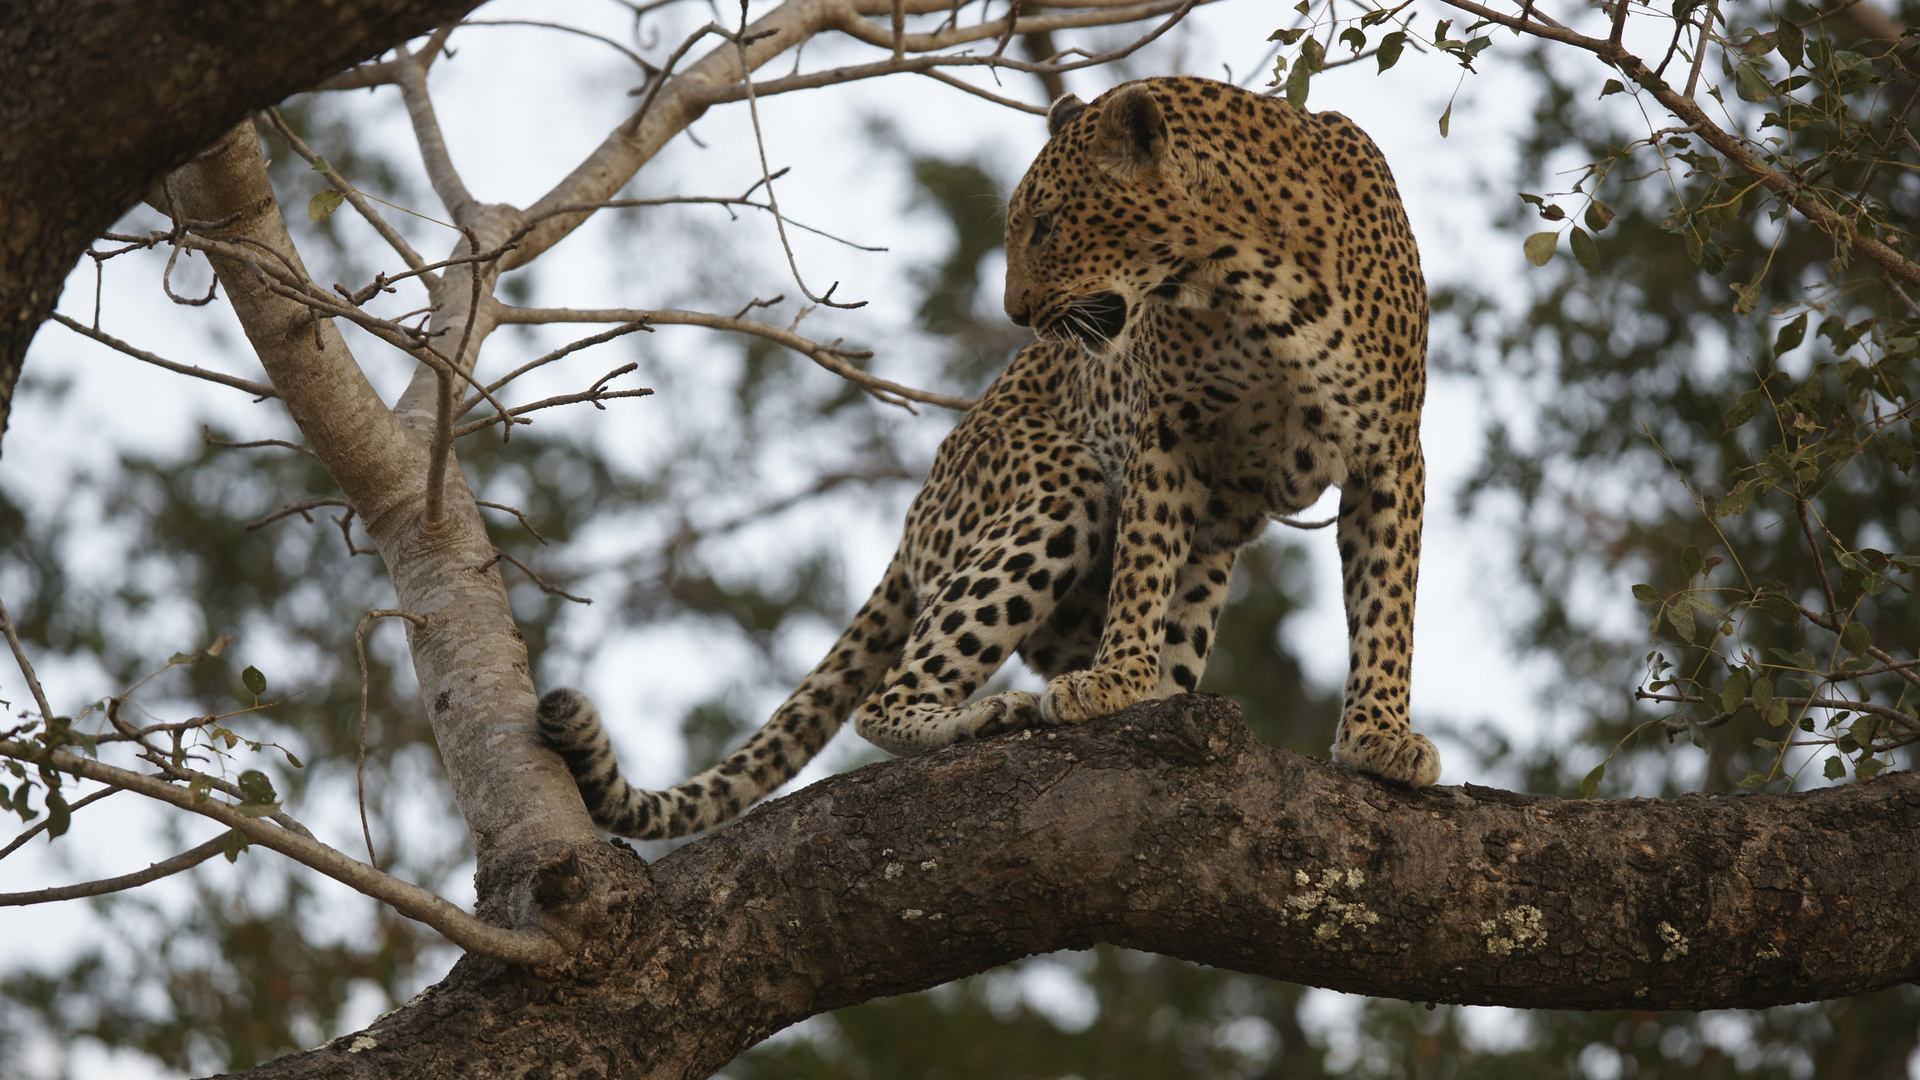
(516, 512)
(186, 860)
(1700, 45)
(638, 60)
(459, 927)
(354, 198)
(1881, 711)
(1728, 145)
(766, 171)
(26, 666)
(206, 436)
(545, 587)
(941, 76)
(360, 776)
(300, 508)
(257, 389)
(594, 396)
(564, 350)
(705, 200)
(1819, 563)
(833, 358)
(40, 826)
(345, 521)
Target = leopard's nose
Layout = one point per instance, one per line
(1020, 318)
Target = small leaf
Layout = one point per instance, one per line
(1446, 120)
(1592, 783)
(1867, 768)
(1834, 769)
(1696, 733)
(1390, 47)
(1599, 215)
(1680, 617)
(1734, 694)
(323, 204)
(1297, 84)
(320, 164)
(1613, 86)
(1751, 85)
(255, 682)
(1790, 42)
(59, 816)
(1855, 639)
(1791, 335)
(1762, 691)
(256, 788)
(235, 844)
(1585, 251)
(1354, 38)
(291, 760)
(1690, 561)
(1539, 247)
(1777, 714)
(1645, 594)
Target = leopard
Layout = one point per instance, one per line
(1231, 319)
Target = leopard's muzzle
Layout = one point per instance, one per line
(1092, 321)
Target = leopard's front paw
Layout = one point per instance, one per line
(1079, 696)
(1404, 757)
(1014, 710)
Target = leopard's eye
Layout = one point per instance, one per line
(1042, 228)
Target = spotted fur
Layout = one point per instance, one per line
(1232, 320)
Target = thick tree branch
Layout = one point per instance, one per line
(1169, 828)
(179, 74)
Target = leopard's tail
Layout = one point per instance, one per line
(852, 670)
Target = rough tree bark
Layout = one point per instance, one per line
(1170, 828)
(101, 99)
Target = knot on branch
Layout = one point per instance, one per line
(1188, 729)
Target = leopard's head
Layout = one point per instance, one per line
(1104, 220)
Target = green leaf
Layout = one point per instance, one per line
(1777, 713)
(1297, 84)
(1645, 594)
(1613, 86)
(59, 816)
(1354, 38)
(256, 788)
(1696, 733)
(1690, 561)
(1790, 42)
(1680, 617)
(320, 164)
(291, 760)
(1744, 410)
(1599, 215)
(1287, 37)
(1791, 335)
(1734, 693)
(323, 204)
(1867, 768)
(1750, 84)
(1446, 120)
(255, 682)
(1855, 638)
(1539, 247)
(1834, 769)
(1390, 47)
(1592, 783)
(1584, 250)
(236, 843)
(1762, 692)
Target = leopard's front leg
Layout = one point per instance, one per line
(1381, 508)
(1159, 505)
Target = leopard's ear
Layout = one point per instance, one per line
(1065, 108)
(1131, 136)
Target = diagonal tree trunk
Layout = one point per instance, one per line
(1170, 828)
(101, 99)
